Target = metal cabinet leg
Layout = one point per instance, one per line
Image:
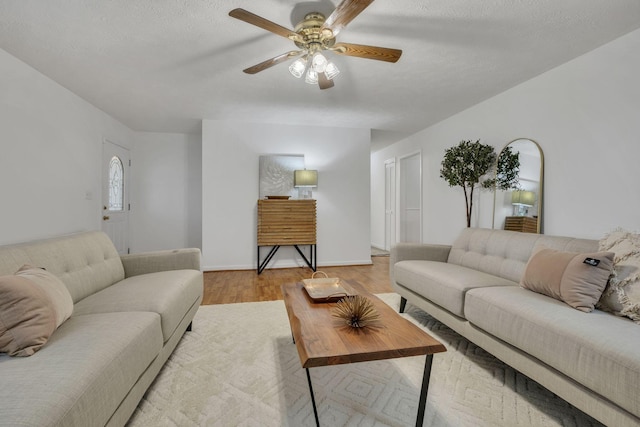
(262, 265)
(311, 261)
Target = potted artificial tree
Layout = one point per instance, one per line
(472, 165)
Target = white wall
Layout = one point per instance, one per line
(230, 155)
(50, 156)
(585, 116)
(166, 208)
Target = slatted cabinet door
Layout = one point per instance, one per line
(286, 222)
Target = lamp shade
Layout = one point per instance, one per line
(305, 178)
(523, 198)
(298, 67)
(331, 71)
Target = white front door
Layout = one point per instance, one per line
(115, 194)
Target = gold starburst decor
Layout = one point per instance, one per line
(356, 311)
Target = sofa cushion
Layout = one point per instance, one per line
(33, 303)
(81, 376)
(568, 277)
(85, 262)
(168, 293)
(443, 283)
(506, 253)
(597, 349)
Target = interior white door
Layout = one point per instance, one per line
(389, 204)
(116, 165)
(411, 198)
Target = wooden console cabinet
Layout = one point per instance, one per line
(287, 223)
(525, 224)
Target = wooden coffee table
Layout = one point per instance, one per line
(321, 341)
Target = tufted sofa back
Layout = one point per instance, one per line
(505, 253)
(86, 262)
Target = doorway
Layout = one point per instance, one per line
(116, 165)
(410, 206)
(389, 204)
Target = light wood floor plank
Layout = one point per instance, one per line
(226, 287)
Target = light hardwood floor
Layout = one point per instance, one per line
(225, 287)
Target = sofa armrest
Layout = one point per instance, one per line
(410, 251)
(404, 251)
(152, 262)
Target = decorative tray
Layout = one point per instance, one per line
(326, 289)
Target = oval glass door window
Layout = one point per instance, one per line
(116, 184)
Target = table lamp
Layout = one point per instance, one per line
(304, 181)
(521, 200)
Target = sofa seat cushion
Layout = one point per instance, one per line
(597, 349)
(443, 283)
(81, 375)
(169, 293)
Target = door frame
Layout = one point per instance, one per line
(105, 191)
(390, 191)
(401, 193)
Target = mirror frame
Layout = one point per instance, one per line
(540, 227)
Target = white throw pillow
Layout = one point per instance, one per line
(622, 294)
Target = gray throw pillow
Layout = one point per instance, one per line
(577, 279)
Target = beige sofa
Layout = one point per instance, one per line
(129, 313)
(591, 360)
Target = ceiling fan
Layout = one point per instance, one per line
(313, 35)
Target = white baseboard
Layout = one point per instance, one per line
(285, 265)
(344, 263)
(206, 268)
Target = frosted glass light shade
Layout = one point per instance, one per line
(312, 77)
(305, 178)
(331, 71)
(297, 67)
(318, 62)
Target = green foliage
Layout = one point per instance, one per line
(507, 171)
(466, 164)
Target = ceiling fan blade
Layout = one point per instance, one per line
(271, 62)
(324, 82)
(344, 13)
(263, 23)
(368, 52)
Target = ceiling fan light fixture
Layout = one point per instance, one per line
(312, 76)
(319, 62)
(313, 35)
(297, 67)
(331, 70)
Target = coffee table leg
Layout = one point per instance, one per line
(313, 399)
(422, 404)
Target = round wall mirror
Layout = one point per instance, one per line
(520, 209)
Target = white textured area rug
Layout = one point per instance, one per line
(239, 367)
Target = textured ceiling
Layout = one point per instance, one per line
(164, 65)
